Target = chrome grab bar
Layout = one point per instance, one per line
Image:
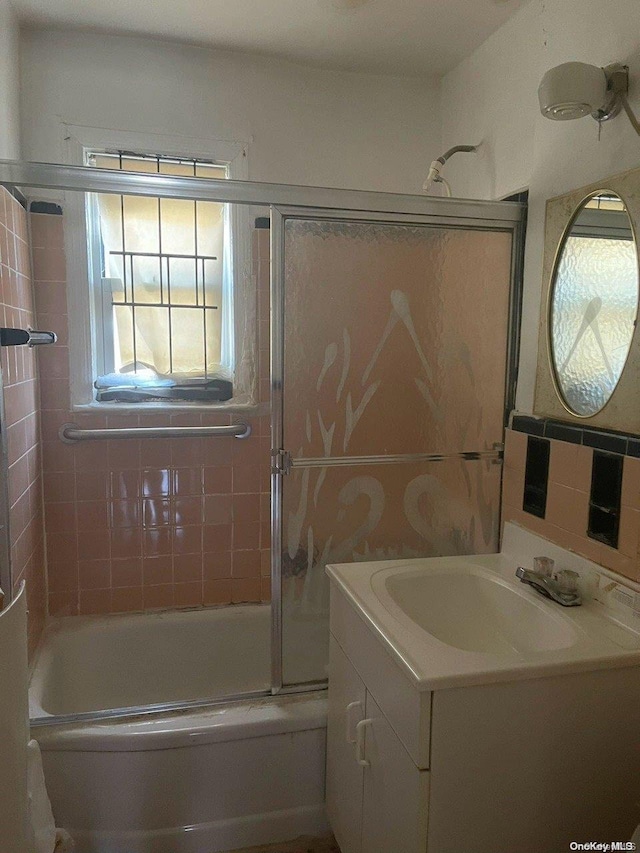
(69, 433)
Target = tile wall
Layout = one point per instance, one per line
(567, 510)
(137, 525)
(21, 399)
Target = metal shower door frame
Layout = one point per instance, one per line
(505, 217)
(284, 201)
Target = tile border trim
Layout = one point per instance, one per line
(624, 444)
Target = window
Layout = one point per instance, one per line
(163, 286)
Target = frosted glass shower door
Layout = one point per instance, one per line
(395, 342)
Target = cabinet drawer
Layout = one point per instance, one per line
(407, 710)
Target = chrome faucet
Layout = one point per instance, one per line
(561, 589)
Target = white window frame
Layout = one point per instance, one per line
(85, 327)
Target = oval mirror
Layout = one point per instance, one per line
(594, 303)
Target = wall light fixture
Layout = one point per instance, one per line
(576, 89)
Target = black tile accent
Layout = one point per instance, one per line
(563, 432)
(609, 441)
(524, 423)
(45, 207)
(536, 476)
(633, 447)
(263, 222)
(604, 500)
(606, 480)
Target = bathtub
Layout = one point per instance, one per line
(234, 774)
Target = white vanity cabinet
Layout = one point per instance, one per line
(376, 796)
(347, 703)
(520, 764)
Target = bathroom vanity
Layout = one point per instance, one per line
(468, 714)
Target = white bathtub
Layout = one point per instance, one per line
(236, 774)
(92, 663)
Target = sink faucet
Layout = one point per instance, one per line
(562, 588)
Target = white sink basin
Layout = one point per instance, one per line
(477, 613)
(453, 621)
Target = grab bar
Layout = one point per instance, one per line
(70, 433)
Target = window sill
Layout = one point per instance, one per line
(151, 408)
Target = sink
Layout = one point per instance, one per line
(465, 619)
(476, 612)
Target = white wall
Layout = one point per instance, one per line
(492, 96)
(305, 126)
(9, 76)
(311, 126)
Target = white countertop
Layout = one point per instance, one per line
(599, 638)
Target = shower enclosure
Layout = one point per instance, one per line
(389, 402)
(376, 378)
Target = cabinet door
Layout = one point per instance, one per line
(344, 774)
(395, 802)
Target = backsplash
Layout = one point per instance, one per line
(619, 598)
(571, 492)
(139, 525)
(21, 416)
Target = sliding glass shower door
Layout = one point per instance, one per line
(390, 331)
(390, 371)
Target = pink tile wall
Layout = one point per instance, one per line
(568, 503)
(21, 415)
(138, 525)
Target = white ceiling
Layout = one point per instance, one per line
(415, 37)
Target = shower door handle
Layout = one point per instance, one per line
(30, 337)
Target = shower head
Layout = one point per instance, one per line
(434, 176)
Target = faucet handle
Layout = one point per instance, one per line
(567, 581)
(543, 566)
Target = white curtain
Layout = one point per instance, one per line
(227, 347)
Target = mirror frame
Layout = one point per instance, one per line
(551, 290)
(622, 411)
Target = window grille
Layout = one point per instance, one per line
(162, 268)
